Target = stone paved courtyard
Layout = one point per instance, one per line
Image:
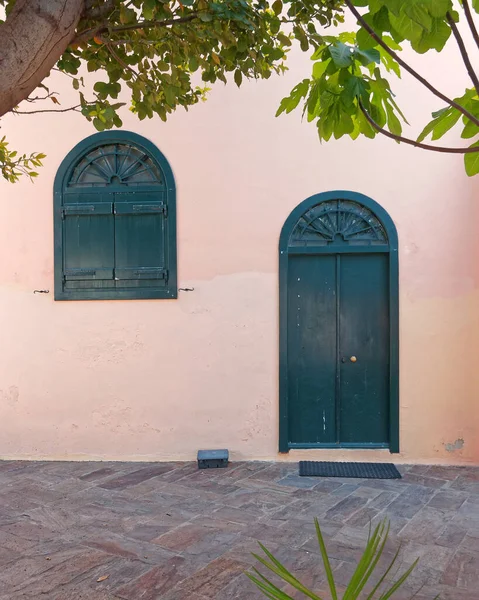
(132, 531)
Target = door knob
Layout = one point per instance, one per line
(353, 359)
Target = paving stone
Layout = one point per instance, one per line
(345, 509)
(180, 538)
(173, 532)
(40, 574)
(462, 562)
(410, 501)
(97, 474)
(211, 580)
(298, 482)
(235, 515)
(291, 535)
(156, 582)
(448, 500)
(425, 480)
(447, 473)
(80, 593)
(135, 477)
(452, 535)
(383, 500)
(426, 526)
(119, 545)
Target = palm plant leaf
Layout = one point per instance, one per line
(326, 563)
(276, 567)
(366, 568)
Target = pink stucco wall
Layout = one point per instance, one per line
(147, 380)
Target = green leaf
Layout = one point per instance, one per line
(375, 5)
(101, 87)
(394, 124)
(356, 87)
(381, 20)
(471, 161)
(418, 14)
(276, 567)
(405, 26)
(326, 563)
(438, 8)
(98, 124)
(148, 9)
(389, 62)
(440, 112)
(470, 130)
(277, 7)
(435, 39)
(343, 125)
(238, 77)
(445, 123)
(364, 40)
(444, 120)
(206, 17)
(399, 582)
(319, 68)
(394, 6)
(268, 588)
(367, 57)
(342, 55)
(297, 94)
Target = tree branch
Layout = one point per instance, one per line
(36, 98)
(470, 21)
(400, 138)
(463, 51)
(88, 34)
(409, 69)
(46, 110)
(120, 61)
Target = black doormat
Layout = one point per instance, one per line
(309, 468)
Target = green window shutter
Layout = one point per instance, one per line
(115, 221)
(141, 258)
(88, 242)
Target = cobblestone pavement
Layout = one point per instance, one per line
(104, 531)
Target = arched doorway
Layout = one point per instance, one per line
(339, 325)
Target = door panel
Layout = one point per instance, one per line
(312, 349)
(364, 334)
(338, 308)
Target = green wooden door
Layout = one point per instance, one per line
(339, 350)
(339, 326)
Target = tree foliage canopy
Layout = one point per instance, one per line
(166, 53)
(350, 93)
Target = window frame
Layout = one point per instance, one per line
(63, 175)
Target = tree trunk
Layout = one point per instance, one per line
(32, 39)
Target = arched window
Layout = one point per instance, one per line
(115, 221)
